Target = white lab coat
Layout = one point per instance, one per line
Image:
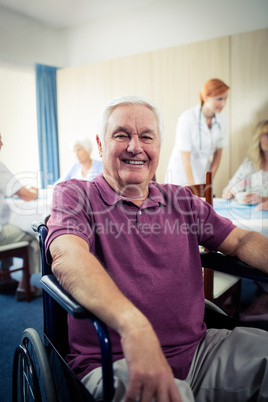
(193, 135)
(9, 185)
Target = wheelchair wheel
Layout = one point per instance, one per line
(32, 377)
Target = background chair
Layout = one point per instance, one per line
(222, 289)
(20, 250)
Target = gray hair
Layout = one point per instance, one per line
(127, 100)
(84, 142)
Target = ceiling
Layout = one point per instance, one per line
(60, 14)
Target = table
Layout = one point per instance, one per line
(243, 215)
(22, 213)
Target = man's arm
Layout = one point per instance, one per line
(186, 161)
(85, 279)
(249, 247)
(216, 161)
(27, 194)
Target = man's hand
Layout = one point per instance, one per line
(150, 376)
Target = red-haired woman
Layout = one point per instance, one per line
(200, 136)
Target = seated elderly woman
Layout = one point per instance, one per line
(251, 178)
(86, 168)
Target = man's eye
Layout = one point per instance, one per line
(146, 138)
(121, 137)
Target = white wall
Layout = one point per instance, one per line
(24, 41)
(163, 23)
(18, 124)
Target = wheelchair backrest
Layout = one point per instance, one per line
(55, 317)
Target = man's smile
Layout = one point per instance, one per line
(133, 162)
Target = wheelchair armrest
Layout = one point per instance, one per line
(50, 284)
(231, 265)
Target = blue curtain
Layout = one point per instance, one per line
(47, 123)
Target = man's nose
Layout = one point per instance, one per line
(134, 145)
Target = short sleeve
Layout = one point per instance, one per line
(241, 179)
(212, 228)
(9, 184)
(70, 212)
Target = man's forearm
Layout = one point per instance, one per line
(249, 247)
(27, 194)
(216, 161)
(81, 275)
(186, 161)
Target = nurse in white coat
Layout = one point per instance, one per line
(200, 136)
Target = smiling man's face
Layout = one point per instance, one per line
(131, 150)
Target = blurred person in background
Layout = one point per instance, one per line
(251, 177)
(86, 168)
(201, 134)
(13, 234)
(251, 180)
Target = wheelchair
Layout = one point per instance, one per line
(40, 372)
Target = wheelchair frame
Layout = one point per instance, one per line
(28, 378)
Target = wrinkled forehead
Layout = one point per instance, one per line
(136, 118)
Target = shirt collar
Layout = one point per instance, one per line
(198, 113)
(110, 197)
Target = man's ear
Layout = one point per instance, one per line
(99, 145)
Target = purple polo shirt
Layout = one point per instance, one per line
(152, 254)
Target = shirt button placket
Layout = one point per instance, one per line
(137, 219)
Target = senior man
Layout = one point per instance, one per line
(126, 248)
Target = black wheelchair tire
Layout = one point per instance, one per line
(31, 366)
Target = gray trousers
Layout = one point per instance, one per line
(227, 366)
(264, 286)
(13, 234)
